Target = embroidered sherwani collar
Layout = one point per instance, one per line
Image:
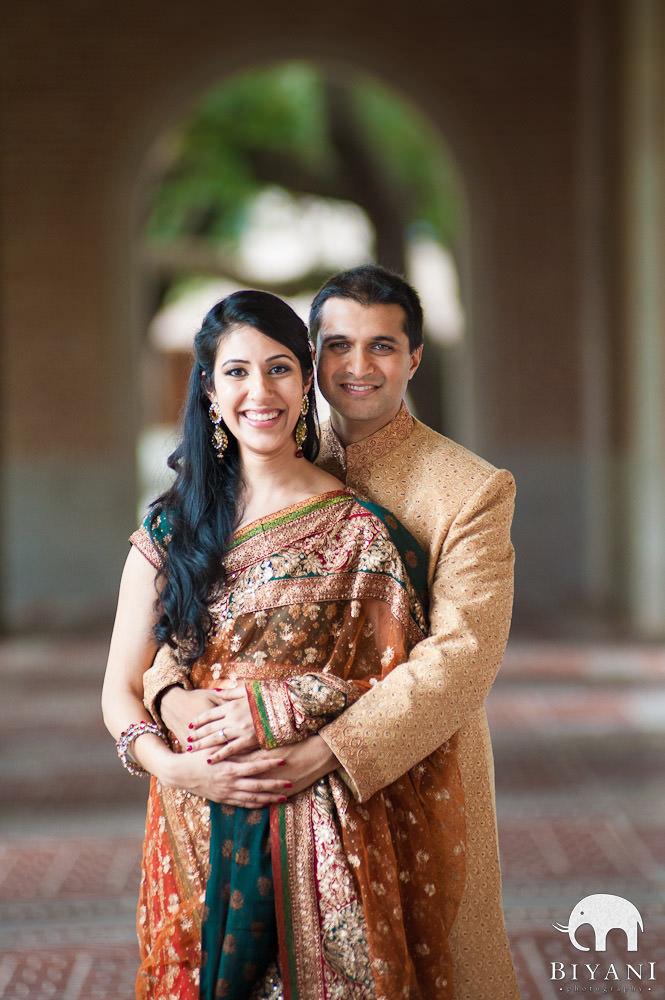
(371, 448)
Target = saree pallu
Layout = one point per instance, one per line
(321, 600)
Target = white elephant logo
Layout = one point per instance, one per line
(604, 913)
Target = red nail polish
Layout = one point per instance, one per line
(281, 763)
(188, 749)
(189, 739)
(191, 725)
(283, 799)
(209, 761)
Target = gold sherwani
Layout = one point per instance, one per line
(459, 508)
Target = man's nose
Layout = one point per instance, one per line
(359, 362)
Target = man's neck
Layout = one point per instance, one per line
(353, 431)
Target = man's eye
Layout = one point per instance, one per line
(383, 348)
(338, 345)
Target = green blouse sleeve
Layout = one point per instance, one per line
(152, 538)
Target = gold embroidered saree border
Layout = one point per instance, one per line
(142, 540)
(287, 515)
(336, 587)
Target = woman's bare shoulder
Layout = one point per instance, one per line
(324, 482)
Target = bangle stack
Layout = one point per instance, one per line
(127, 738)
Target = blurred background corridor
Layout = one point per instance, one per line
(510, 161)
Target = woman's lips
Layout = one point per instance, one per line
(261, 418)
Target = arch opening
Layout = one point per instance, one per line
(277, 178)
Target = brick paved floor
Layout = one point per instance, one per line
(579, 738)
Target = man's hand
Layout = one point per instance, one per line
(306, 762)
(178, 708)
(250, 780)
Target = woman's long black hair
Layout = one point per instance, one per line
(201, 509)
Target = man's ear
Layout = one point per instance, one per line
(414, 361)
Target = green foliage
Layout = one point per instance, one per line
(226, 150)
(413, 155)
(213, 176)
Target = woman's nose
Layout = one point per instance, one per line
(259, 386)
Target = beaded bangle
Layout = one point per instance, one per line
(127, 738)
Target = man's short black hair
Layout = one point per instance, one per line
(371, 285)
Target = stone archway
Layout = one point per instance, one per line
(443, 396)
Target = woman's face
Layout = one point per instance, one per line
(258, 385)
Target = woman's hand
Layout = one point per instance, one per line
(225, 730)
(249, 781)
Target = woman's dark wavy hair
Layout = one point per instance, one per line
(201, 509)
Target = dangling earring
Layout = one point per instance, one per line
(220, 437)
(301, 426)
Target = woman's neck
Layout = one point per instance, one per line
(271, 482)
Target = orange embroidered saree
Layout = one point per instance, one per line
(319, 898)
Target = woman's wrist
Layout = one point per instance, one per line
(128, 737)
(155, 757)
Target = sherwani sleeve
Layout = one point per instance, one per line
(166, 671)
(424, 701)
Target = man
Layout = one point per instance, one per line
(368, 326)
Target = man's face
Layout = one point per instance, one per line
(364, 364)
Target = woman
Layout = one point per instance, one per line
(274, 580)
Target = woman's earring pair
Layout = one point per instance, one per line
(220, 438)
(301, 426)
(221, 441)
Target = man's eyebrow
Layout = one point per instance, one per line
(334, 335)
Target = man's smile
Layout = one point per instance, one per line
(358, 388)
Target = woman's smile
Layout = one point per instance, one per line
(261, 418)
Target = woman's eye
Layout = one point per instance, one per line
(235, 372)
(279, 369)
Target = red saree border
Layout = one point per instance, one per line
(280, 867)
(258, 708)
(298, 930)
